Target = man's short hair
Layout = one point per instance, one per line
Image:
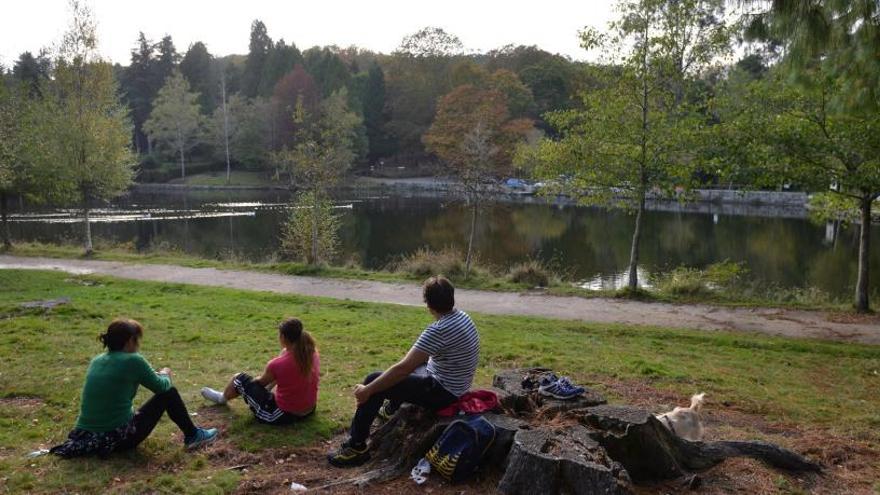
(439, 294)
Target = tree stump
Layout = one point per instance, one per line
(521, 401)
(649, 451)
(561, 460)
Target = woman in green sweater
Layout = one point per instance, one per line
(106, 422)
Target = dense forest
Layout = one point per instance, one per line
(394, 94)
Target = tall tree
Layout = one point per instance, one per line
(474, 135)
(375, 116)
(90, 135)
(792, 133)
(323, 151)
(281, 60)
(635, 132)
(32, 71)
(175, 121)
(139, 86)
(258, 55)
(166, 61)
(841, 36)
(831, 48)
(197, 66)
(296, 88)
(328, 69)
(18, 143)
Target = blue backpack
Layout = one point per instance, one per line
(461, 447)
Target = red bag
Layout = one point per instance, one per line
(472, 402)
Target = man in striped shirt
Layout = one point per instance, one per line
(451, 348)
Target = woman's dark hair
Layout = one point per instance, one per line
(119, 332)
(439, 294)
(303, 343)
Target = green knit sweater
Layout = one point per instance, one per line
(111, 384)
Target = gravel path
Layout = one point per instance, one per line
(784, 322)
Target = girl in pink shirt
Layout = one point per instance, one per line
(294, 373)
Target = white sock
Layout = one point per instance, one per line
(214, 396)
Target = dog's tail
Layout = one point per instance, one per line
(697, 402)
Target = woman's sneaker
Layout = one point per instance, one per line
(203, 436)
(561, 389)
(349, 455)
(385, 411)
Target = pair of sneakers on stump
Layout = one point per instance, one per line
(437, 370)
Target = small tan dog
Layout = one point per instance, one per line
(685, 421)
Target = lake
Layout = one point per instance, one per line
(591, 244)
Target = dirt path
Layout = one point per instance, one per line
(784, 322)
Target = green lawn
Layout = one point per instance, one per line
(207, 334)
(236, 178)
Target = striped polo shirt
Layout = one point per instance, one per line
(453, 344)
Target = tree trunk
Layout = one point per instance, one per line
(87, 225)
(182, 166)
(634, 249)
(4, 207)
(315, 215)
(225, 128)
(470, 249)
(863, 305)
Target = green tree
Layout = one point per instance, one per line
(89, 135)
(794, 133)
(175, 122)
(322, 153)
(474, 135)
(841, 37)
(375, 115)
(17, 135)
(258, 55)
(197, 66)
(634, 135)
(32, 71)
(139, 86)
(282, 59)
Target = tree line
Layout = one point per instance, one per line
(660, 114)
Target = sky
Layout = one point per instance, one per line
(379, 25)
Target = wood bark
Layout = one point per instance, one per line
(4, 212)
(649, 451)
(561, 460)
(87, 225)
(863, 304)
(519, 401)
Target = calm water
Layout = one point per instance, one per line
(593, 244)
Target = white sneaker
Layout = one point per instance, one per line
(214, 396)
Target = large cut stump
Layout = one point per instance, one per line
(561, 460)
(649, 451)
(521, 401)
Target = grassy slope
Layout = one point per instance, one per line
(207, 334)
(481, 281)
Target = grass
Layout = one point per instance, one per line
(236, 178)
(207, 334)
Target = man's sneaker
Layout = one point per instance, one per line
(349, 455)
(385, 411)
(566, 381)
(203, 436)
(547, 380)
(561, 389)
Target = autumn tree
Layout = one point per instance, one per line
(175, 121)
(296, 88)
(474, 134)
(636, 133)
(88, 134)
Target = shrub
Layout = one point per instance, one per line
(683, 281)
(424, 263)
(296, 240)
(532, 273)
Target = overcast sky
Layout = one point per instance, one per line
(224, 25)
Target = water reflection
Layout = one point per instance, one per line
(589, 244)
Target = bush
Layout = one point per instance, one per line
(425, 263)
(684, 281)
(532, 273)
(296, 240)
